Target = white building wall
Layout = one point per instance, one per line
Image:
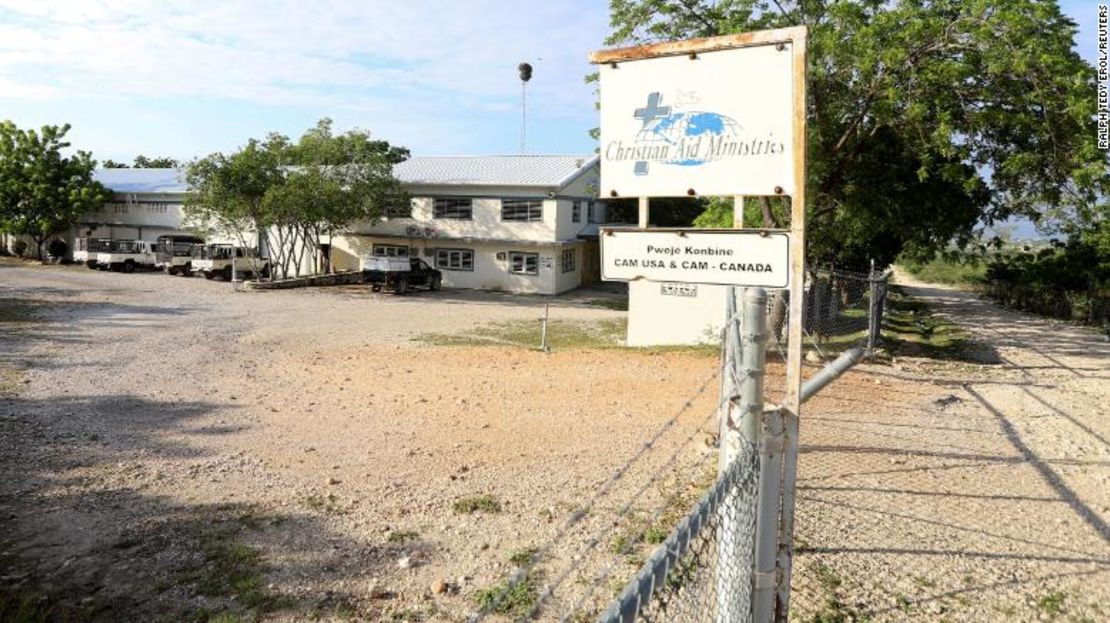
(490, 273)
(659, 319)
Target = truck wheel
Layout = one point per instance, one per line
(91, 264)
(227, 274)
(129, 266)
(187, 270)
(209, 275)
(401, 287)
(435, 283)
(170, 270)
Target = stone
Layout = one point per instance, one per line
(439, 587)
(405, 562)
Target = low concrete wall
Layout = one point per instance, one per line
(336, 279)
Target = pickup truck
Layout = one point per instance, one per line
(85, 250)
(399, 274)
(127, 255)
(214, 260)
(174, 254)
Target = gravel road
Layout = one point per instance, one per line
(981, 492)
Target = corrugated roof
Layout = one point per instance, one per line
(534, 171)
(142, 180)
(542, 171)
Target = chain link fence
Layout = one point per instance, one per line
(703, 570)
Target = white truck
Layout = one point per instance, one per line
(85, 250)
(127, 255)
(214, 260)
(175, 253)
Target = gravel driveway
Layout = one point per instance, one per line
(176, 451)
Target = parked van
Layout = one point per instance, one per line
(214, 260)
(174, 254)
(127, 255)
(85, 250)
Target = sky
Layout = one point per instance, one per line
(186, 78)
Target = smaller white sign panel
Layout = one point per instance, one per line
(719, 257)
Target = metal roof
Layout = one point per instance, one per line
(142, 180)
(524, 170)
(535, 171)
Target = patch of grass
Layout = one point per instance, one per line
(515, 599)
(234, 570)
(329, 504)
(911, 328)
(526, 334)
(1052, 604)
(25, 606)
(477, 503)
(401, 536)
(827, 577)
(923, 581)
(616, 304)
(522, 557)
(967, 271)
(904, 603)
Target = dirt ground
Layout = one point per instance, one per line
(172, 450)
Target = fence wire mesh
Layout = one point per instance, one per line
(703, 570)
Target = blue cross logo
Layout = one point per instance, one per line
(653, 110)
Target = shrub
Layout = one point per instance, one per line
(57, 248)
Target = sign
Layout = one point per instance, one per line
(711, 256)
(708, 123)
(678, 289)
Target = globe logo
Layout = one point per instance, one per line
(688, 138)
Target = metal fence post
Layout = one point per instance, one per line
(742, 406)
(872, 305)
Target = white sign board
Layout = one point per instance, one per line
(722, 257)
(720, 123)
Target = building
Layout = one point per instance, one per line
(513, 223)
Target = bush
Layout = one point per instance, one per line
(1064, 280)
(20, 247)
(57, 248)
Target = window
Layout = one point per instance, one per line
(119, 208)
(397, 208)
(524, 263)
(576, 212)
(455, 259)
(591, 211)
(390, 250)
(569, 257)
(521, 210)
(452, 207)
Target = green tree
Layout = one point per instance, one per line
(42, 191)
(142, 162)
(926, 117)
(112, 164)
(293, 195)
